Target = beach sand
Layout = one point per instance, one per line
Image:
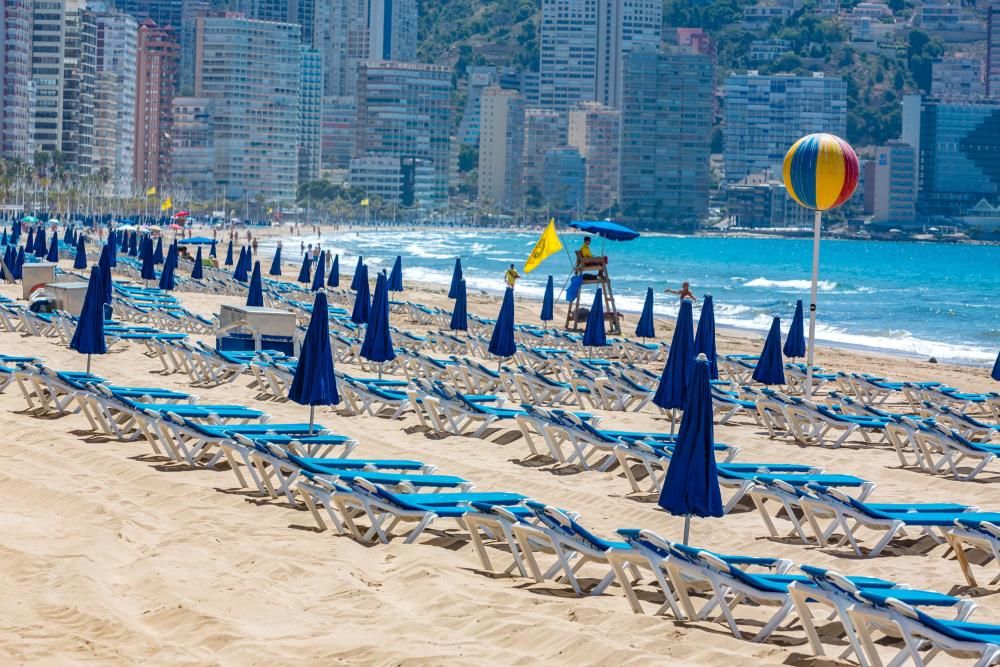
(111, 555)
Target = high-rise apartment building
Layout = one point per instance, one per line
(79, 70)
(155, 72)
(404, 110)
(666, 119)
(337, 132)
(16, 141)
(250, 70)
(192, 164)
(161, 12)
(765, 115)
(501, 148)
(114, 105)
(392, 28)
(544, 129)
(993, 50)
(310, 112)
(622, 24)
(562, 186)
(957, 78)
(480, 77)
(595, 131)
(895, 187)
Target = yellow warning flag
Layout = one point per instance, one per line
(548, 243)
(167, 204)
(150, 192)
(364, 202)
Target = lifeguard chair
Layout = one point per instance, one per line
(596, 273)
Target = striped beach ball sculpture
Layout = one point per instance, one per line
(821, 171)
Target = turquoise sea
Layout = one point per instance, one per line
(920, 299)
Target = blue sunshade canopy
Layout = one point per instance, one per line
(609, 230)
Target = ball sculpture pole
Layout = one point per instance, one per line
(820, 172)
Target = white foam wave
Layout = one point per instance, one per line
(822, 285)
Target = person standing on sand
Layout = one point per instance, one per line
(684, 292)
(302, 248)
(254, 246)
(511, 276)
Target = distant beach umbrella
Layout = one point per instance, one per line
(691, 485)
(770, 366)
(213, 252)
(3, 240)
(113, 249)
(357, 273)
(158, 256)
(671, 393)
(502, 340)
(305, 272)
(133, 245)
(996, 369)
(334, 279)
(88, 338)
(19, 264)
(377, 345)
(362, 300)
(8, 259)
(67, 235)
(704, 337)
(319, 275)
(240, 273)
(167, 282)
(460, 314)
(644, 328)
(255, 295)
(53, 255)
(29, 242)
(276, 263)
(795, 343)
(229, 254)
(593, 334)
(456, 277)
(314, 382)
(396, 275)
(41, 248)
(148, 271)
(197, 271)
(80, 260)
(548, 302)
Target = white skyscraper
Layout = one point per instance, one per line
(114, 102)
(501, 148)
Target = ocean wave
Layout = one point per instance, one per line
(822, 285)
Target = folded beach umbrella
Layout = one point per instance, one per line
(67, 235)
(229, 254)
(704, 337)
(593, 334)
(29, 243)
(996, 369)
(319, 275)
(314, 382)
(113, 249)
(212, 252)
(18, 271)
(158, 253)
(197, 271)
(795, 343)
(53, 254)
(334, 279)
(502, 340)
(88, 338)
(362, 301)
(377, 345)
(671, 393)
(148, 271)
(770, 366)
(691, 486)
(460, 314)
(396, 275)
(240, 272)
(104, 264)
(80, 260)
(275, 263)
(3, 240)
(548, 301)
(456, 277)
(133, 245)
(357, 273)
(8, 258)
(167, 272)
(304, 272)
(644, 327)
(255, 295)
(41, 248)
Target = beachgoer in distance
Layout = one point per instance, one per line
(511, 276)
(254, 246)
(302, 248)
(684, 292)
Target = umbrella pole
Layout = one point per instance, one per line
(687, 528)
(88, 364)
(312, 415)
(380, 370)
(673, 417)
(812, 305)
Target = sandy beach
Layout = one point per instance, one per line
(111, 555)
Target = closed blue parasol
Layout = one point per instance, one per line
(456, 277)
(167, 273)
(770, 366)
(996, 369)
(304, 272)
(548, 302)
(53, 255)
(319, 275)
(241, 272)
(593, 334)
(148, 271)
(276, 263)
(41, 249)
(362, 301)
(213, 252)
(502, 340)
(3, 240)
(255, 295)
(229, 254)
(334, 279)
(18, 271)
(158, 256)
(113, 249)
(691, 486)
(314, 382)
(197, 271)
(133, 245)
(644, 327)
(356, 279)
(377, 344)
(80, 260)
(795, 343)
(396, 275)
(671, 393)
(88, 338)
(29, 242)
(704, 337)
(460, 314)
